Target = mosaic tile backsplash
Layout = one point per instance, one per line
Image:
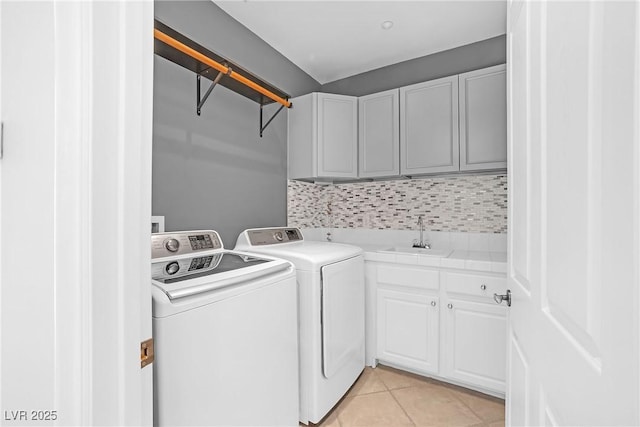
(475, 203)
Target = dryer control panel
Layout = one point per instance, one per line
(273, 236)
(184, 242)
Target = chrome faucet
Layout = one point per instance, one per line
(422, 243)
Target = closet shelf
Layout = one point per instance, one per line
(183, 51)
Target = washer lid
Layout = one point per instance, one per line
(187, 276)
(308, 255)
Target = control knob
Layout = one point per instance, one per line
(172, 245)
(278, 235)
(172, 268)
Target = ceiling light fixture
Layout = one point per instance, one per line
(386, 25)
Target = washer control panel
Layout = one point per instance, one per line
(273, 236)
(174, 268)
(184, 242)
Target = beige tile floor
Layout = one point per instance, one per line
(389, 397)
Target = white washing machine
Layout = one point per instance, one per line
(225, 334)
(331, 312)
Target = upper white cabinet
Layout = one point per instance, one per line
(323, 136)
(378, 134)
(452, 124)
(429, 127)
(483, 119)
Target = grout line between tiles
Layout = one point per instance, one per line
(451, 389)
(382, 381)
(469, 407)
(484, 422)
(402, 407)
(338, 407)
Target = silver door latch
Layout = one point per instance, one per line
(499, 298)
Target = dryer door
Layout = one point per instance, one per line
(342, 314)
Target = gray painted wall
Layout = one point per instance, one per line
(210, 26)
(214, 171)
(470, 57)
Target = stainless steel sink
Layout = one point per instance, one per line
(420, 251)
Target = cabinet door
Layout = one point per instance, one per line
(379, 136)
(302, 138)
(429, 127)
(475, 343)
(408, 330)
(337, 136)
(483, 119)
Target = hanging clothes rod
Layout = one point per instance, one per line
(159, 35)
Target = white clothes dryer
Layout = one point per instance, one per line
(225, 334)
(331, 312)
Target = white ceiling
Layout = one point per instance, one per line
(331, 40)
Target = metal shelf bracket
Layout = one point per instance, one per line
(201, 101)
(262, 128)
(185, 52)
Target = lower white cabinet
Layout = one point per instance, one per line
(441, 323)
(408, 329)
(474, 343)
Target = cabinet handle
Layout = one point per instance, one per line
(449, 306)
(483, 287)
(506, 297)
(433, 303)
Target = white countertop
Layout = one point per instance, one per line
(495, 262)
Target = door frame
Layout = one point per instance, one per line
(98, 93)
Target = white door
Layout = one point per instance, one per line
(574, 217)
(75, 202)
